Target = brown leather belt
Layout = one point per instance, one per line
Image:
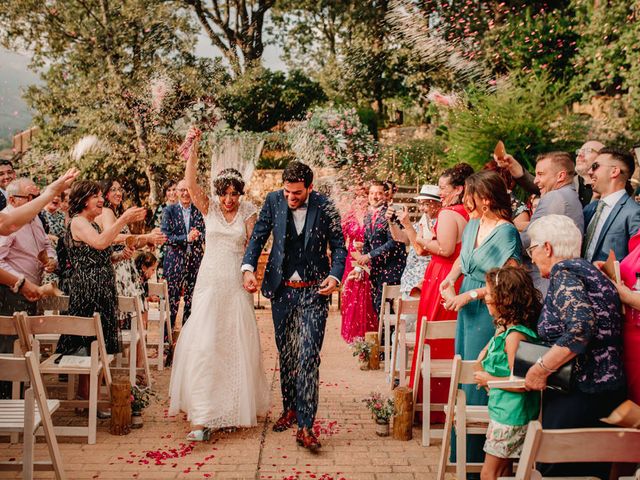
(299, 284)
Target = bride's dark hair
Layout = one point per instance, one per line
(229, 177)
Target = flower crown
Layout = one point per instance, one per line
(229, 176)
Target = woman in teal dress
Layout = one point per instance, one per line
(489, 241)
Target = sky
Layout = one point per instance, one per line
(15, 76)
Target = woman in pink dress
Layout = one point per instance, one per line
(631, 330)
(357, 311)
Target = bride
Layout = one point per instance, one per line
(217, 376)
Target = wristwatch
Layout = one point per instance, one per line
(473, 294)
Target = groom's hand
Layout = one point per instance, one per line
(249, 281)
(328, 286)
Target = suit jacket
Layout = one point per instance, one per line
(3, 201)
(621, 224)
(388, 257)
(563, 201)
(584, 191)
(322, 231)
(176, 248)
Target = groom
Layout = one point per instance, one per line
(299, 278)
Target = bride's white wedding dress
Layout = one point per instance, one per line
(217, 376)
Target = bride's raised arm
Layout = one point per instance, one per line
(199, 198)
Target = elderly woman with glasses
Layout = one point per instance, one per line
(581, 319)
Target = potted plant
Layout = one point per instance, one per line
(381, 410)
(140, 397)
(361, 349)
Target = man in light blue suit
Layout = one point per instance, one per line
(555, 174)
(615, 217)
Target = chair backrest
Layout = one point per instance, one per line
(128, 304)
(156, 288)
(63, 325)
(577, 445)
(440, 330)
(54, 304)
(14, 369)
(407, 307)
(8, 325)
(389, 292)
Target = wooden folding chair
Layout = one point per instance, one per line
(53, 306)
(135, 338)
(575, 445)
(26, 416)
(385, 320)
(468, 420)
(428, 368)
(402, 341)
(98, 362)
(163, 317)
(10, 326)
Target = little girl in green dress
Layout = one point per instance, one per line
(515, 304)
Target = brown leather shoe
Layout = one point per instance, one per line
(286, 421)
(308, 440)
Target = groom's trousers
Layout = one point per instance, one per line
(299, 317)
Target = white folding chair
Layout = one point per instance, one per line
(28, 415)
(402, 342)
(468, 420)
(386, 320)
(162, 316)
(428, 368)
(96, 366)
(134, 338)
(575, 445)
(10, 326)
(52, 306)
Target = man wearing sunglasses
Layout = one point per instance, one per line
(615, 218)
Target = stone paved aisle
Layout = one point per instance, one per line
(350, 448)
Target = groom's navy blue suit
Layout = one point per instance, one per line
(299, 314)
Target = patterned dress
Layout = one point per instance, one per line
(358, 316)
(92, 288)
(127, 277)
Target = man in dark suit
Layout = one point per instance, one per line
(615, 217)
(299, 279)
(183, 225)
(386, 257)
(7, 175)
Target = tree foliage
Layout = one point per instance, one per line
(235, 27)
(97, 61)
(260, 99)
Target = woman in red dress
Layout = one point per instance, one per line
(631, 330)
(444, 248)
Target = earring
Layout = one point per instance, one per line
(485, 209)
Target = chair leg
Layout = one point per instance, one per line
(161, 325)
(387, 343)
(28, 435)
(426, 397)
(461, 437)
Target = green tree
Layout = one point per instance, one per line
(528, 114)
(260, 99)
(345, 45)
(235, 27)
(98, 61)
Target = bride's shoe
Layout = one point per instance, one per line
(199, 435)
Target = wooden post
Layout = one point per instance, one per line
(403, 419)
(374, 357)
(120, 407)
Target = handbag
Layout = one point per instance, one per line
(528, 354)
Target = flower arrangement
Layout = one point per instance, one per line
(140, 397)
(381, 409)
(334, 138)
(361, 348)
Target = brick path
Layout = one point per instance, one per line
(350, 448)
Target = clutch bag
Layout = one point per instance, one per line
(527, 355)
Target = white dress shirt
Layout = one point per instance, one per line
(609, 202)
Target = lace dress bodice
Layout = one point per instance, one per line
(225, 244)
